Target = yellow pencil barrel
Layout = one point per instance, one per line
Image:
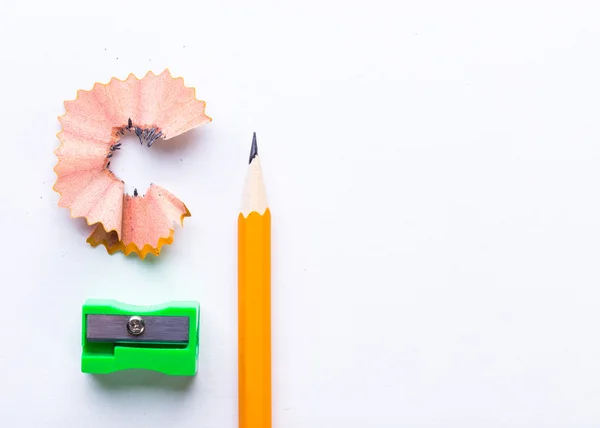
(254, 320)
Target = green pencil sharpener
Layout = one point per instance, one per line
(119, 336)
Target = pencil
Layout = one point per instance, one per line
(254, 300)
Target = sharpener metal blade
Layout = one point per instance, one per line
(158, 329)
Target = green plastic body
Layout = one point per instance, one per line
(175, 360)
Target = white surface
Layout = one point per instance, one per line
(433, 171)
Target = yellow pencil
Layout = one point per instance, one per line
(254, 300)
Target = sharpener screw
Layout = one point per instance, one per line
(135, 325)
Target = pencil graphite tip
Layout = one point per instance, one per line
(253, 149)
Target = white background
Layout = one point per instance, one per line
(433, 171)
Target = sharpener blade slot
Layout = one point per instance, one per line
(157, 329)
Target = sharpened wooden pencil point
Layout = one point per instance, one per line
(254, 197)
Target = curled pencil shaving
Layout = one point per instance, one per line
(154, 107)
(140, 226)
